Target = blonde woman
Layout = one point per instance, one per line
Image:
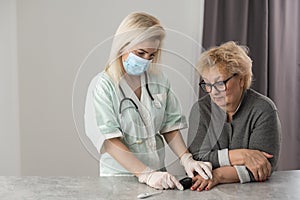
(233, 127)
(135, 109)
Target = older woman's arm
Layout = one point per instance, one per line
(253, 164)
(226, 174)
(253, 160)
(199, 142)
(264, 145)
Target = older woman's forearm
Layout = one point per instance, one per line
(242, 156)
(227, 174)
(237, 156)
(256, 161)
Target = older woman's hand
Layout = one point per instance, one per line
(199, 183)
(256, 161)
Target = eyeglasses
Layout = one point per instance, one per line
(220, 86)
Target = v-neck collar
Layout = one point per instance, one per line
(128, 92)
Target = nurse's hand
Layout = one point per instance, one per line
(160, 180)
(204, 169)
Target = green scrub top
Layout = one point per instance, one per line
(140, 129)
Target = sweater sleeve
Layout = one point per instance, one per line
(266, 136)
(200, 144)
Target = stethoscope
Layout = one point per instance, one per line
(155, 102)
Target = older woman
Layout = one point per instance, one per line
(233, 127)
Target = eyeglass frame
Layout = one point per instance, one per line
(203, 85)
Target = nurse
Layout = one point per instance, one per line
(136, 110)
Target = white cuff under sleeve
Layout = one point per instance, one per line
(243, 174)
(223, 157)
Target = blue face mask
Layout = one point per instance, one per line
(135, 65)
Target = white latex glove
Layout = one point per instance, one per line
(159, 180)
(190, 165)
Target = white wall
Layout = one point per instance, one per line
(9, 117)
(54, 37)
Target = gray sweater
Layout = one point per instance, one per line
(255, 125)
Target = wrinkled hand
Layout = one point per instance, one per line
(257, 162)
(199, 183)
(204, 169)
(159, 180)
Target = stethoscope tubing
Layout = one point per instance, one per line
(131, 100)
(147, 87)
(136, 106)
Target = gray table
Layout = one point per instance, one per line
(282, 185)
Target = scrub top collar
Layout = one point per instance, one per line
(129, 93)
(144, 100)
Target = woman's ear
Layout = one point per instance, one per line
(242, 81)
(124, 56)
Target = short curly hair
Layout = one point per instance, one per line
(229, 58)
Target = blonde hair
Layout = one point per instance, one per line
(229, 58)
(135, 28)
